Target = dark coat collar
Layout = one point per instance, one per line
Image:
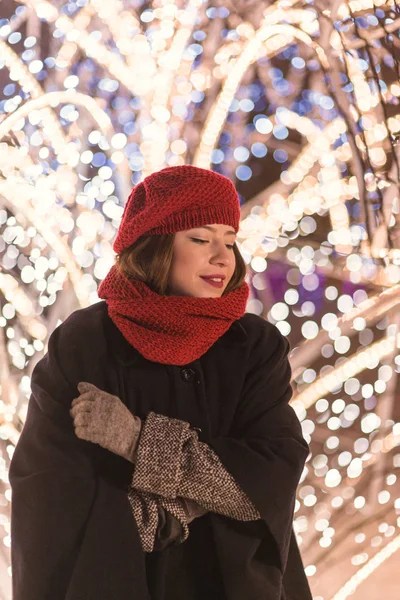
(127, 354)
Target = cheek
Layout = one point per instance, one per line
(186, 263)
(233, 265)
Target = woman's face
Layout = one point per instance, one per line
(199, 253)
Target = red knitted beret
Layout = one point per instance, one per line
(176, 199)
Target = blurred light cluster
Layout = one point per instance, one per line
(298, 104)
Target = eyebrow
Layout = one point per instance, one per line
(214, 230)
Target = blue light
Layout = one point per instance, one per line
(259, 150)
(282, 86)
(255, 91)
(196, 49)
(388, 60)
(30, 41)
(233, 35)
(136, 162)
(362, 22)
(372, 20)
(234, 105)
(99, 159)
(50, 62)
(275, 73)
(130, 128)
(197, 96)
(108, 85)
(246, 105)
(225, 138)
(281, 132)
(263, 124)
(136, 177)
(298, 62)
(9, 89)
(147, 16)
(280, 156)
(118, 103)
(131, 149)
(326, 102)
(243, 172)
(383, 86)
(14, 37)
(217, 156)
(241, 154)
(223, 12)
(136, 102)
(58, 33)
(363, 65)
(199, 36)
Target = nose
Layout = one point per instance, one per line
(221, 254)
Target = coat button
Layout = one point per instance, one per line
(188, 374)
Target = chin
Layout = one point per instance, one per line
(197, 292)
(212, 294)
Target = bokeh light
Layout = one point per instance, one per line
(296, 102)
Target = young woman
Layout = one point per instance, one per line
(160, 456)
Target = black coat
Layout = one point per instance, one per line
(73, 533)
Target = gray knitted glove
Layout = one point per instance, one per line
(103, 419)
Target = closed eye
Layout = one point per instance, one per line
(230, 246)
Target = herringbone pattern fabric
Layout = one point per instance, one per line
(172, 463)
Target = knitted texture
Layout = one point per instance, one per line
(177, 198)
(102, 418)
(192, 471)
(169, 329)
(173, 329)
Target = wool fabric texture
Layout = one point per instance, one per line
(175, 199)
(173, 330)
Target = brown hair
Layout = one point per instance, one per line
(149, 259)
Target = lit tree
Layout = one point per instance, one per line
(298, 103)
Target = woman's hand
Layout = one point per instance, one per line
(101, 418)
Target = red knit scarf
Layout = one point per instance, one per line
(169, 329)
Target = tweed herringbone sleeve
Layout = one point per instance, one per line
(172, 462)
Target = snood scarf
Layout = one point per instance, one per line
(166, 329)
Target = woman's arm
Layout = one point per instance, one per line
(250, 475)
(171, 462)
(102, 418)
(169, 452)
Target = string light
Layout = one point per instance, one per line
(300, 109)
(376, 561)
